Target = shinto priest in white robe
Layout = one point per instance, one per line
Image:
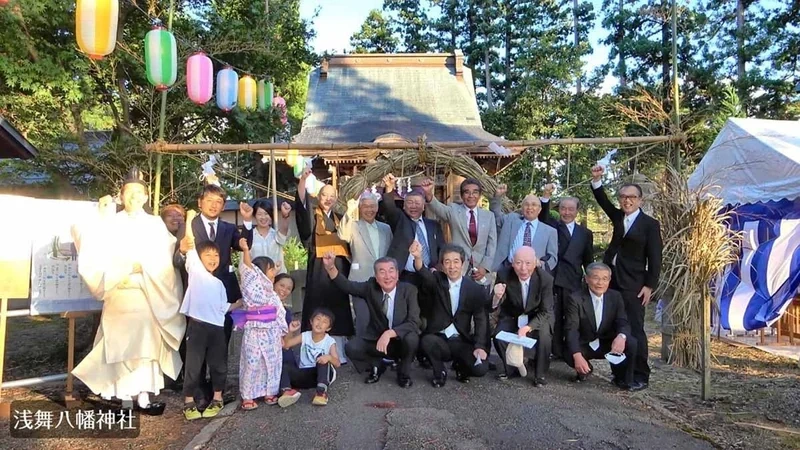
(140, 328)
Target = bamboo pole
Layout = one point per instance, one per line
(281, 148)
(5, 408)
(161, 121)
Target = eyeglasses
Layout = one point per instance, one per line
(627, 197)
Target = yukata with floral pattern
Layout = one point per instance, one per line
(262, 345)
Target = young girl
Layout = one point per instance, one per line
(318, 358)
(261, 356)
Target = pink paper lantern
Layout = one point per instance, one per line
(280, 104)
(199, 78)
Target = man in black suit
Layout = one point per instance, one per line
(524, 295)
(209, 227)
(407, 226)
(575, 253)
(596, 324)
(457, 304)
(634, 256)
(393, 329)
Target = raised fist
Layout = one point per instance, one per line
(597, 173)
(243, 244)
(548, 190)
(329, 260)
(499, 290)
(501, 190)
(416, 249)
(246, 211)
(286, 208)
(390, 181)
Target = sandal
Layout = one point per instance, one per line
(249, 405)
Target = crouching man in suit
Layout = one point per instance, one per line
(458, 301)
(596, 324)
(525, 298)
(393, 329)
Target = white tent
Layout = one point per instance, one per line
(752, 160)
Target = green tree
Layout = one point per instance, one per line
(58, 97)
(410, 21)
(375, 35)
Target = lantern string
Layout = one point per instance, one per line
(157, 20)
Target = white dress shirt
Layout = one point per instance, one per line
(421, 224)
(520, 239)
(207, 225)
(390, 305)
(270, 246)
(597, 302)
(522, 320)
(455, 292)
(206, 299)
(570, 227)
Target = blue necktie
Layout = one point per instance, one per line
(426, 251)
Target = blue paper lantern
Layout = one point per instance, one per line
(227, 88)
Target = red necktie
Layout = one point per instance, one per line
(473, 228)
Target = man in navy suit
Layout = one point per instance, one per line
(209, 227)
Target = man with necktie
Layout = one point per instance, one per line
(517, 230)
(459, 302)
(596, 324)
(575, 253)
(393, 328)
(408, 226)
(524, 295)
(634, 255)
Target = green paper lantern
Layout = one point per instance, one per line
(264, 95)
(161, 58)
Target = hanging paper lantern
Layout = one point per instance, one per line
(264, 95)
(291, 157)
(96, 26)
(199, 78)
(280, 103)
(300, 164)
(227, 88)
(247, 93)
(161, 58)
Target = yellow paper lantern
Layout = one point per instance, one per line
(96, 26)
(248, 93)
(291, 157)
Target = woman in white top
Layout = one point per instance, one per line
(263, 239)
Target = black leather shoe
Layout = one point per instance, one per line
(502, 376)
(374, 376)
(539, 382)
(441, 380)
(152, 409)
(638, 386)
(580, 378)
(404, 382)
(462, 377)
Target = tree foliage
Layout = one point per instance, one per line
(58, 97)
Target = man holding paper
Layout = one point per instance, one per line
(524, 295)
(597, 327)
(458, 302)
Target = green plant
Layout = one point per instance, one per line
(295, 255)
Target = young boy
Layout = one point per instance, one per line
(318, 358)
(205, 304)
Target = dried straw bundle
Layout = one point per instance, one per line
(426, 159)
(697, 248)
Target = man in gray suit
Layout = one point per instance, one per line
(471, 228)
(517, 230)
(369, 241)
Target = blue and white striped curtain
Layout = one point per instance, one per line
(754, 292)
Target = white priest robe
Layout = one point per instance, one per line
(141, 328)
